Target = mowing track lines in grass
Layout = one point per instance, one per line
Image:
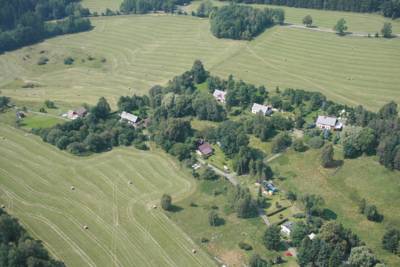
(65, 237)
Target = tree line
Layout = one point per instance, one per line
(243, 22)
(17, 248)
(26, 22)
(146, 6)
(388, 8)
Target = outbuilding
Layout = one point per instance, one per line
(287, 227)
(265, 110)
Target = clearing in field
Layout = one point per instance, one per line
(55, 195)
(133, 53)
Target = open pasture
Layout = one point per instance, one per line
(343, 189)
(141, 51)
(123, 230)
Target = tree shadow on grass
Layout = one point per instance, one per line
(328, 214)
(175, 208)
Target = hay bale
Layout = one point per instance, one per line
(194, 251)
(72, 187)
(130, 182)
(154, 206)
(85, 227)
(3, 206)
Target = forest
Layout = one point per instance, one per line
(17, 248)
(389, 8)
(25, 22)
(243, 22)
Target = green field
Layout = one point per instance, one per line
(357, 22)
(342, 190)
(124, 230)
(141, 51)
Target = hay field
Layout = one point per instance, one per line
(142, 51)
(123, 229)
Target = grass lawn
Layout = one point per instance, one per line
(35, 187)
(162, 46)
(100, 6)
(40, 121)
(224, 239)
(343, 188)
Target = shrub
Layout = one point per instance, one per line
(68, 61)
(299, 146)
(245, 246)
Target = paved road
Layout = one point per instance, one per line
(231, 177)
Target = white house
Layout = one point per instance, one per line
(219, 95)
(312, 236)
(329, 123)
(257, 108)
(77, 113)
(129, 118)
(287, 228)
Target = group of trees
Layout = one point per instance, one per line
(370, 211)
(389, 8)
(4, 101)
(146, 6)
(204, 10)
(99, 131)
(243, 203)
(243, 22)
(333, 245)
(391, 240)
(25, 22)
(17, 248)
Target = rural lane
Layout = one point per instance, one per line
(231, 177)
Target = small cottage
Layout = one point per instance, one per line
(265, 110)
(286, 228)
(129, 118)
(219, 95)
(205, 150)
(328, 123)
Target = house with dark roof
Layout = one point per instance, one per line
(328, 123)
(205, 150)
(263, 109)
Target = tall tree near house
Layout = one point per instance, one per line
(272, 237)
(200, 75)
(327, 156)
(340, 26)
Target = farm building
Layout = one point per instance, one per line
(204, 150)
(77, 113)
(269, 186)
(329, 123)
(129, 118)
(286, 228)
(219, 95)
(265, 110)
(20, 115)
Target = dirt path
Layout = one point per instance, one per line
(231, 177)
(353, 34)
